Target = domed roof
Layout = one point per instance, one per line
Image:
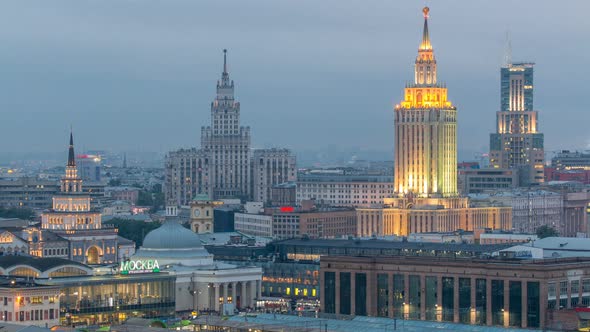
(171, 235)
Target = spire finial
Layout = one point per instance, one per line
(425, 44)
(225, 61)
(71, 156)
(508, 51)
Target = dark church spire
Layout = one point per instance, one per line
(71, 155)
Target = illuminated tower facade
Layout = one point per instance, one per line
(425, 131)
(426, 198)
(73, 219)
(517, 142)
(71, 208)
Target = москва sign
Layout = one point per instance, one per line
(139, 266)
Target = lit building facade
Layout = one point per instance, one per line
(72, 218)
(531, 209)
(426, 131)
(27, 192)
(517, 293)
(27, 303)
(473, 181)
(323, 223)
(517, 142)
(355, 190)
(223, 166)
(426, 197)
(253, 224)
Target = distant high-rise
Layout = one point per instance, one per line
(517, 142)
(222, 167)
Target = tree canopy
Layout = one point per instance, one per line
(133, 229)
(20, 213)
(546, 231)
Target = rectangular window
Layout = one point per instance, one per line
(465, 300)
(431, 297)
(515, 303)
(497, 302)
(414, 298)
(562, 295)
(330, 292)
(345, 287)
(382, 295)
(533, 304)
(448, 299)
(575, 293)
(360, 295)
(399, 287)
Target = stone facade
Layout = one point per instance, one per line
(358, 190)
(73, 219)
(515, 293)
(222, 167)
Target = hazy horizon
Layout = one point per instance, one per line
(140, 76)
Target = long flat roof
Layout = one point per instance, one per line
(271, 322)
(384, 244)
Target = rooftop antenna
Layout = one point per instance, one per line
(508, 50)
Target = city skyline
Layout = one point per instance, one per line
(160, 100)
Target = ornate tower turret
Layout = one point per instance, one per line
(71, 183)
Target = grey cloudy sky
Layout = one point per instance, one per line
(140, 75)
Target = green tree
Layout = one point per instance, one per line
(134, 230)
(114, 182)
(159, 201)
(20, 213)
(145, 198)
(546, 231)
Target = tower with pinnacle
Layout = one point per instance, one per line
(225, 166)
(425, 161)
(72, 218)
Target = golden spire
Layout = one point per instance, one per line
(425, 44)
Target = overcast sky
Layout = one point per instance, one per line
(310, 74)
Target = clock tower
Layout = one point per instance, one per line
(201, 218)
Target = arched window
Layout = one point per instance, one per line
(67, 271)
(24, 272)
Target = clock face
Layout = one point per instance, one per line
(196, 212)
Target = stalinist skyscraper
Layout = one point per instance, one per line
(226, 166)
(426, 198)
(426, 131)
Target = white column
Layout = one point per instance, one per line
(216, 299)
(259, 288)
(243, 302)
(225, 292)
(234, 293)
(253, 293)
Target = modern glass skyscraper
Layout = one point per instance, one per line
(517, 142)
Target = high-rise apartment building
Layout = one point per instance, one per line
(270, 167)
(517, 142)
(224, 166)
(426, 197)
